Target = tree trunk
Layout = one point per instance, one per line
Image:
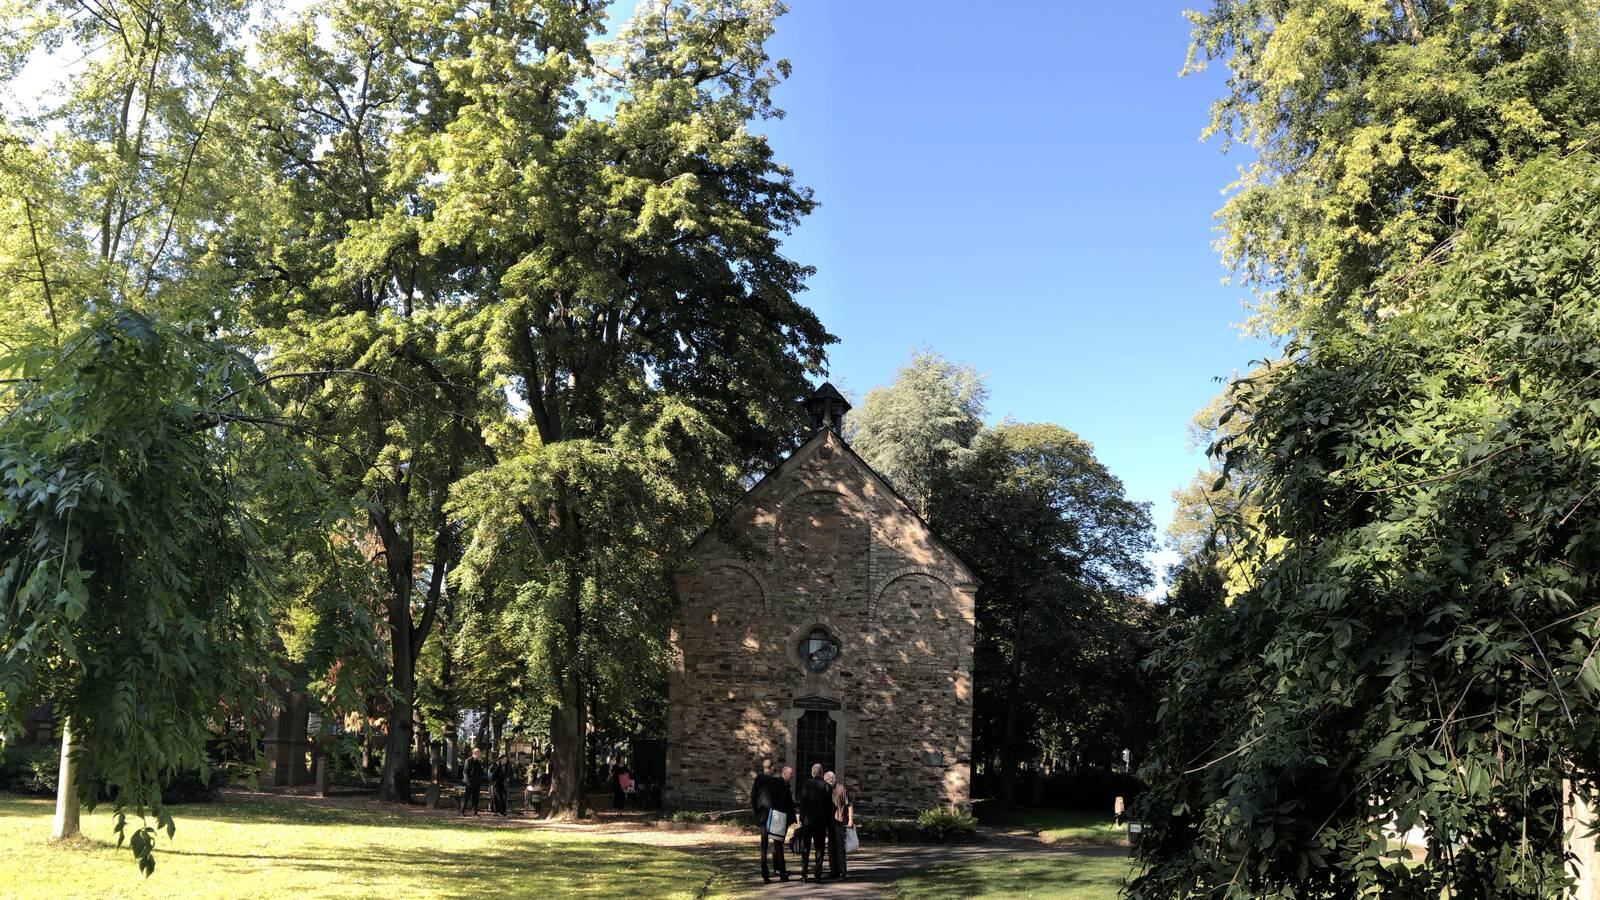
(569, 794)
(394, 785)
(1008, 752)
(568, 784)
(66, 823)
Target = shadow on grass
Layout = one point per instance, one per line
(1071, 877)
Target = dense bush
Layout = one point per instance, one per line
(187, 786)
(888, 831)
(945, 825)
(344, 760)
(688, 817)
(30, 769)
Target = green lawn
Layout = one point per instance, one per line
(262, 848)
(1055, 825)
(1058, 875)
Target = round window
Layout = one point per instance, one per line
(818, 650)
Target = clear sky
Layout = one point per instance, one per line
(1024, 191)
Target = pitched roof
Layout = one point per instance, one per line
(828, 392)
(882, 482)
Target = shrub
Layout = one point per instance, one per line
(945, 825)
(688, 817)
(30, 769)
(888, 831)
(187, 786)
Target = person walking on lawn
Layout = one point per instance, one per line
(472, 779)
(816, 817)
(844, 816)
(770, 793)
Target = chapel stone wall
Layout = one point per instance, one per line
(822, 543)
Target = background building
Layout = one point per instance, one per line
(824, 621)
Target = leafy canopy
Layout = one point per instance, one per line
(1380, 126)
(1422, 649)
(128, 599)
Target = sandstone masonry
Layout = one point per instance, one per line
(823, 549)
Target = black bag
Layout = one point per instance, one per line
(794, 842)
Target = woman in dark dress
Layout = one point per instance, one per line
(499, 781)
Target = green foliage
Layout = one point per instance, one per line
(917, 426)
(1420, 650)
(31, 769)
(1380, 128)
(945, 825)
(1061, 628)
(126, 550)
(688, 817)
(888, 831)
(1059, 547)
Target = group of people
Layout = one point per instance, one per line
(499, 775)
(825, 812)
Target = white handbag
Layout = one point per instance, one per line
(777, 823)
(851, 842)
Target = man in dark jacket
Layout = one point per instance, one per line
(816, 818)
(472, 774)
(770, 792)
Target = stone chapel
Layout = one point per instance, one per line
(826, 622)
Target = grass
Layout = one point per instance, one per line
(1056, 875)
(1055, 826)
(264, 848)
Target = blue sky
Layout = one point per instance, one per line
(1025, 192)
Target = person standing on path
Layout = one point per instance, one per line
(770, 793)
(816, 816)
(844, 816)
(472, 775)
(619, 783)
(499, 786)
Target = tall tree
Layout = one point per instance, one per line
(913, 428)
(1061, 627)
(1379, 129)
(1420, 650)
(112, 190)
(379, 336)
(637, 302)
(127, 553)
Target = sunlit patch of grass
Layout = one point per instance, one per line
(286, 849)
(1062, 826)
(1066, 876)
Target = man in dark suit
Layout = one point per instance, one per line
(772, 793)
(472, 774)
(816, 817)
